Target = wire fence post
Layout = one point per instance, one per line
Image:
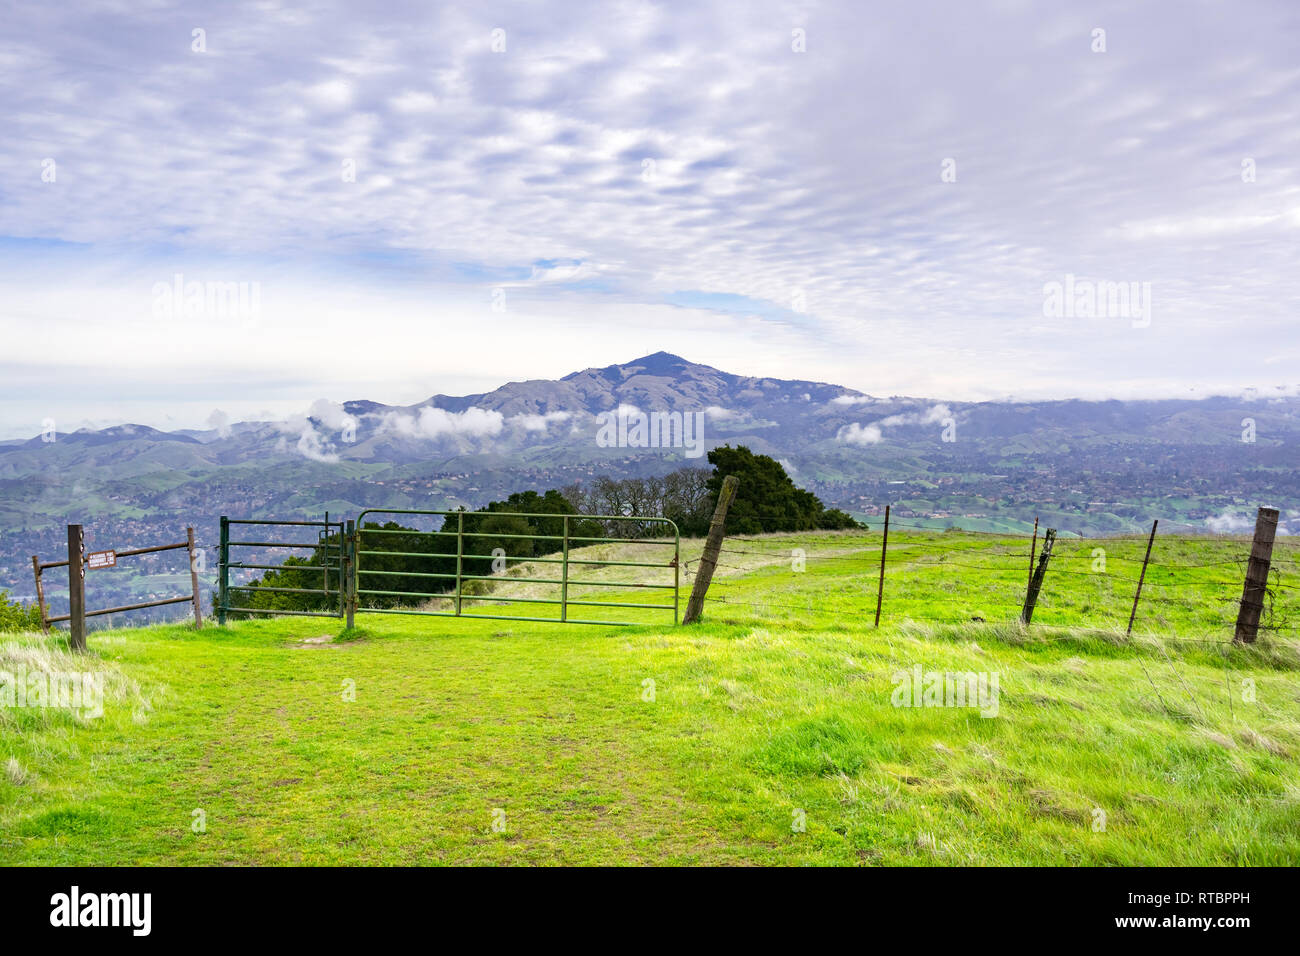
(1036, 582)
(880, 588)
(564, 576)
(677, 574)
(1033, 546)
(40, 595)
(223, 571)
(348, 586)
(1141, 577)
(76, 588)
(712, 545)
(1256, 584)
(194, 579)
(460, 553)
(324, 540)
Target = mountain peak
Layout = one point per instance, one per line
(656, 363)
(658, 357)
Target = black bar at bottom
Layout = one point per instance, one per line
(938, 904)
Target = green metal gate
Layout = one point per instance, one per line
(454, 530)
(332, 566)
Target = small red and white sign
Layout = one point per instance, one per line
(101, 559)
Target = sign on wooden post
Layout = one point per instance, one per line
(97, 560)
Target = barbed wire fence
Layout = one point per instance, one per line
(1188, 584)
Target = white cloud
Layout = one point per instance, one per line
(220, 421)
(311, 445)
(856, 434)
(538, 423)
(433, 422)
(1229, 523)
(870, 434)
(332, 94)
(331, 415)
(571, 272)
(931, 416)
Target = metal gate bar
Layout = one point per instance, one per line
(457, 594)
(332, 560)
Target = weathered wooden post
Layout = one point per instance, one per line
(1036, 582)
(712, 545)
(1252, 592)
(884, 546)
(194, 579)
(1033, 546)
(1142, 577)
(40, 595)
(76, 588)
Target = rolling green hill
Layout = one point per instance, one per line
(771, 733)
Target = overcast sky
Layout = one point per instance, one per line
(428, 198)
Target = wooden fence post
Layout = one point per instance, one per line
(40, 595)
(1033, 546)
(1252, 592)
(1142, 577)
(712, 545)
(76, 588)
(884, 546)
(194, 579)
(1036, 582)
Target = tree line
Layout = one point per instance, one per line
(410, 566)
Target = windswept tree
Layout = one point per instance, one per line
(681, 496)
(767, 499)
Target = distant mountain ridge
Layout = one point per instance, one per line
(1098, 464)
(662, 381)
(666, 382)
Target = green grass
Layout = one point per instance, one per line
(780, 702)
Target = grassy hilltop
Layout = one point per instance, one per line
(775, 710)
